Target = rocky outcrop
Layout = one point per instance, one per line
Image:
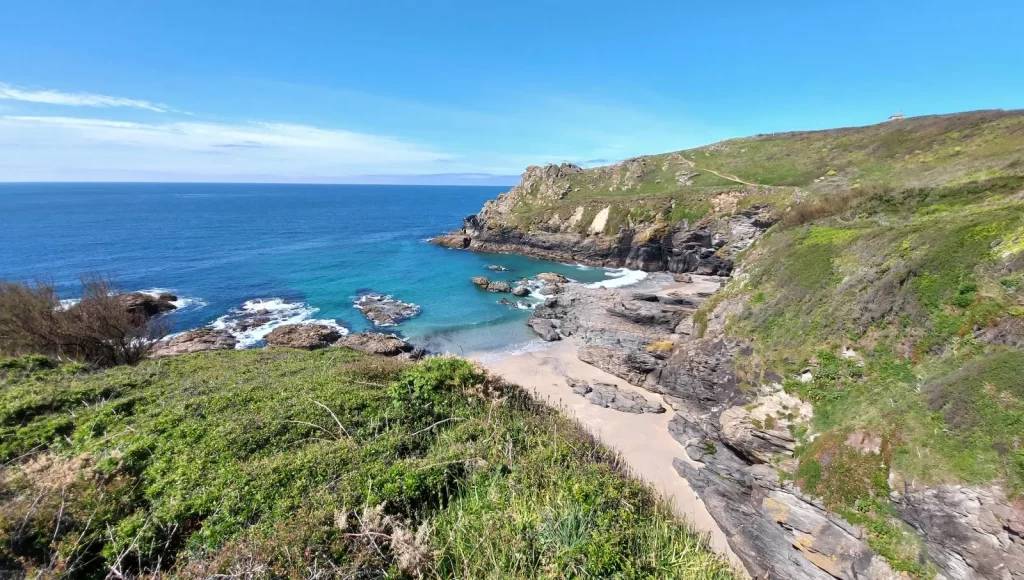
(612, 397)
(706, 247)
(969, 532)
(199, 340)
(148, 305)
(775, 530)
(304, 336)
(380, 344)
(545, 329)
(384, 310)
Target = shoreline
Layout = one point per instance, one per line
(642, 440)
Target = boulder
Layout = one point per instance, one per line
(480, 281)
(384, 310)
(376, 343)
(198, 340)
(545, 329)
(552, 278)
(578, 386)
(147, 305)
(520, 291)
(304, 336)
(684, 278)
(632, 367)
(453, 241)
(499, 287)
(613, 397)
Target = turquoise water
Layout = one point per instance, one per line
(305, 251)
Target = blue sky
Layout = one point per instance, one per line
(465, 92)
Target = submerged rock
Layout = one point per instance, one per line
(497, 268)
(198, 340)
(384, 310)
(304, 336)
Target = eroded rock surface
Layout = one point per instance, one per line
(378, 343)
(613, 397)
(970, 532)
(384, 310)
(148, 305)
(304, 336)
(198, 340)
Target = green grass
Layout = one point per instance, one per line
(913, 280)
(290, 463)
(917, 151)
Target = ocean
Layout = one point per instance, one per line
(301, 252)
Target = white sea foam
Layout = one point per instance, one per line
(68, 303)
(619, 277)
(512, 350)
(271, 312)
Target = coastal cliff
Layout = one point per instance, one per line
(565, 213)
(848, 404)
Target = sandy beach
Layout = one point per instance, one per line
(642, 440)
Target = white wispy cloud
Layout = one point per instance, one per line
(61, 148)
(50, 97)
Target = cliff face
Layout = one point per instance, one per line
(849, 404)
(695, 210)
(541, 218)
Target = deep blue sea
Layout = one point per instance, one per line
(304, 252)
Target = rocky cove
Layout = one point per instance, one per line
(729, 438)
(663, 344)
(652, 371)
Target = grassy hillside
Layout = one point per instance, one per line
(781, 169)
(314, 464)
(907, 307)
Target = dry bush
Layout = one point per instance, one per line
(828, 206)
(99, 329)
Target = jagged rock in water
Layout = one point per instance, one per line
(198, 340)
(147, 305)
(499, 287)
(497, 268)
(480, 281)
(304, 336)
(384, 310)
(545, 329)
(552, 278)
(520, 291)
(376, 343)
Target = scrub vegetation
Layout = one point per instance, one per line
(329, 463)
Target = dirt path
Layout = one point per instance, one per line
(642, 440)
(694, 165)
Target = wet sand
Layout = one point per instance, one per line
(643, 441)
